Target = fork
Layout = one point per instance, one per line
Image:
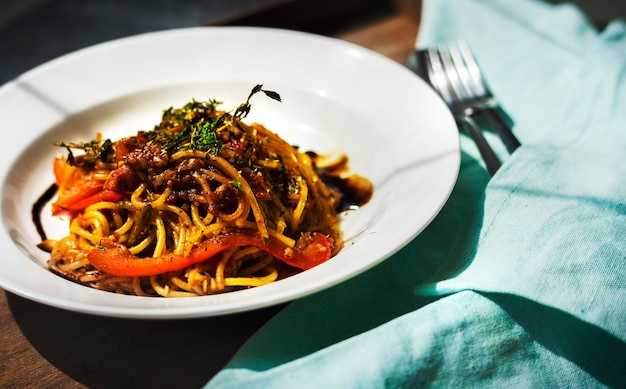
(435, 66)
(461, 66)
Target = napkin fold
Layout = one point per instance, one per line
(521, 279)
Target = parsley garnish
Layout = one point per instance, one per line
(198, 125)
(204, 136)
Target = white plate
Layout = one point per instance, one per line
(336, 95)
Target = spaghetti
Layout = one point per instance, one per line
(201, 204)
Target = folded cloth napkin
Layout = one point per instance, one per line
(521, 279)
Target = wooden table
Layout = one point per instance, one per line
(44, 347)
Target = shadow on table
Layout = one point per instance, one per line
(102, 352)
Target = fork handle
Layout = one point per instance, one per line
(502, 127)
(492, 162)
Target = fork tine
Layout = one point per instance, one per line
(475, 78)
(463, 75)
(437, 76)
(452, 75)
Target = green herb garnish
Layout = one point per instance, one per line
(198, 125)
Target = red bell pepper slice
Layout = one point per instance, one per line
(114, 258)
(78, 190)
(105, 195)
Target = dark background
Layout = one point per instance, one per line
(35, 31)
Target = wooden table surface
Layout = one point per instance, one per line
(45, 347)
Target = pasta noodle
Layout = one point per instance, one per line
(203, 203)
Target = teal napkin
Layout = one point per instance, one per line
(520, 281)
